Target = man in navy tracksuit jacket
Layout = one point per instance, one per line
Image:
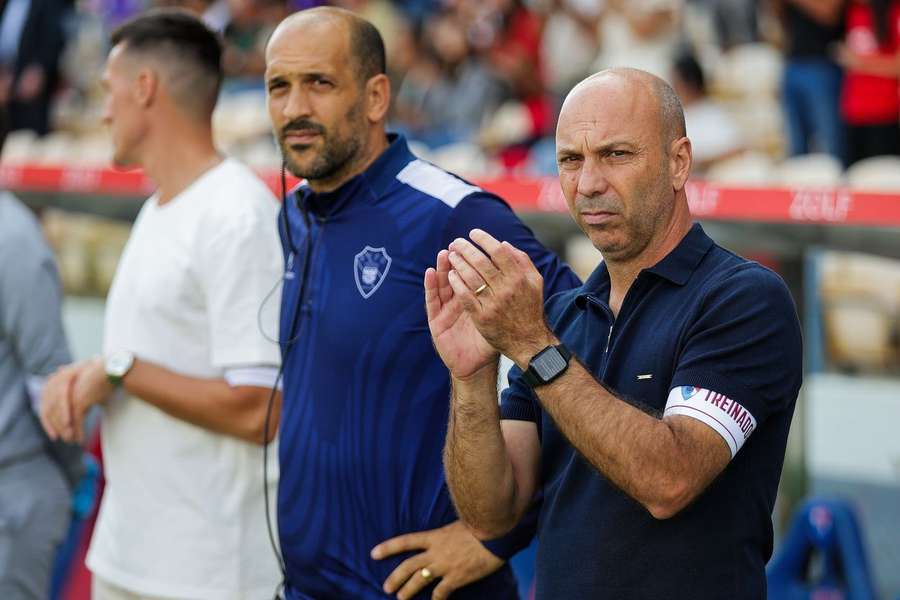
(365, 395)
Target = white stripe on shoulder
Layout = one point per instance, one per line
(436, 182)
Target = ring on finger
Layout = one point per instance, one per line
(481, 288)
(426, 574)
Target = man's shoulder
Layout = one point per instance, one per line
(234, 195)
(725, 267)
(742, 283)
(237, 182)
(422, 179)
(19, 228)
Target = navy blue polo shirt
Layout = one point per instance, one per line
(366, 397)
(702, 319)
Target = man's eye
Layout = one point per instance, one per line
(619, 153)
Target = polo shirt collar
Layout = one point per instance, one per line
(383, 171)
(677, 266)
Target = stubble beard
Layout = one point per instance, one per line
(337, 155)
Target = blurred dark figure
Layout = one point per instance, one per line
(31, 42)
(712, 130)
(215, 13)
(515, 58)
(870, 100)
(36, 475)
(812, 80)
(736, 22)
(448, 90)
(250, 24)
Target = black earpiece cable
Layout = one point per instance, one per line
(285, 346)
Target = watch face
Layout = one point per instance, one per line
(119, 363)
(549, 363)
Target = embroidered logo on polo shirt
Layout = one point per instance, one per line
(370, 268)
(729, 418)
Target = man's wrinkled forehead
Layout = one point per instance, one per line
(609, 105)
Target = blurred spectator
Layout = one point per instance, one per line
(639, 33)
(215, 13)
(713, 133)
(35, 475)
(569, 43)
(448, 92)
(870, 102)
(812, 81)
(249, 26)
(736, 22)
(31, 42)
(514, 51)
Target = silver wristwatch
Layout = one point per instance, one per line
(117, 366)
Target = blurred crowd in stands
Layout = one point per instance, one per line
(478, 83)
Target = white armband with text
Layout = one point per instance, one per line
(727, 417)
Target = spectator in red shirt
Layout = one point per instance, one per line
(870, 100)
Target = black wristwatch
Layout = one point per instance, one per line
(547, 365)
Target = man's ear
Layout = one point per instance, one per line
(378, 97)
(146, 87)
(680, 160)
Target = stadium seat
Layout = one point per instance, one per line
(860, 296)
(879, 173)
(827, 530)
(750, 70)
(810, 170)
(750, 168)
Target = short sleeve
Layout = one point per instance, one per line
(488, 212)
(743, 350)
(241, 273)
(517, 402)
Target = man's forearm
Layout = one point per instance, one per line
(479, 472)
(209, 403)
(641, 454)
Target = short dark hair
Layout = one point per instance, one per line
(183, 42)
(365, 44)
(367, 49)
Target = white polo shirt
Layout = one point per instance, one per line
(183, 513)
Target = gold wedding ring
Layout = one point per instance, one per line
(426, 572)
(481, 288)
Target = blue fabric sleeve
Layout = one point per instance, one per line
(517, 402)
(745, 343)
(507, 546)
(486, 211)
